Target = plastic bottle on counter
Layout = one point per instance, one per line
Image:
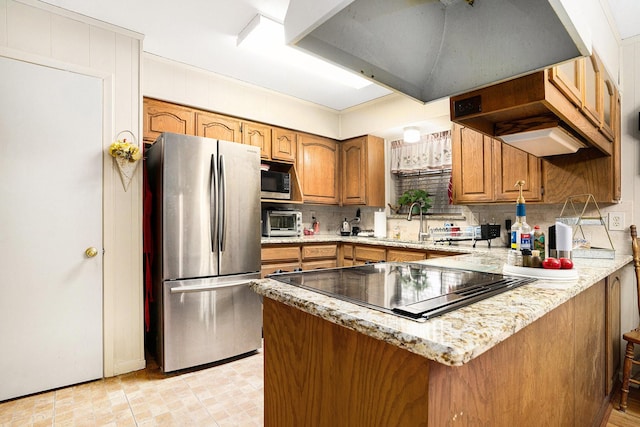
(536, 261)
(396, 232)
(520, 230)
(538, 240)
(316, 226)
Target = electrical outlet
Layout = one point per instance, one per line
(616, 221)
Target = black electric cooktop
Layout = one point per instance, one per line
(412, 290)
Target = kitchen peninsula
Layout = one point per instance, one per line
(546, 353)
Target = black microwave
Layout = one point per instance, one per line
(275, 185)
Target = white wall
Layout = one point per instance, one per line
(51, 36)
(176, 82)
(630, 76)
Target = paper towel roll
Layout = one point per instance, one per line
(564, 239)
(380, 224)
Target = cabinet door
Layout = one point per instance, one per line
(405, 255)
(159, 116)
(259, 135)
(592, 105)
(612, 330)
(353, 171)
(311, 252)
(589, 365)
(511, 165)
(567, 78)
(283, 145)
(609, 108)
(216, 126)
(471, 168)
(318, 169)
(362, 171)
(369, 253)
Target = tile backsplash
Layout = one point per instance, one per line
(331, 217)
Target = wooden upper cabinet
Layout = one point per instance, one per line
(486, 169)
(258, 135)
(568, 78)
(471, 155)
(162, 116)
(362, 165)
(283, 145)
(216, 126)
(318, 169)
(511, 165)
(609, 107)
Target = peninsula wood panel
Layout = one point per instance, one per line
(333, 378)
(550, 373)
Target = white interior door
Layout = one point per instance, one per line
(50, 213)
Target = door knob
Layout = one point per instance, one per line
(91, 252)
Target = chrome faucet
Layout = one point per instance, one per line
(421, 232)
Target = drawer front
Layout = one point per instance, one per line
(440, 254)
(400, 255)
(313, 265)
(319, 251)
(347, 251)
(280, 253)
(272, 268)
(366, 253)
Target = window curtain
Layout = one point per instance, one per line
(432, 152)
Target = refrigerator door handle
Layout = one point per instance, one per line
(213, 202)
(206, 288)
(222, 231)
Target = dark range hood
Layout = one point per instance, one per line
(430, 49)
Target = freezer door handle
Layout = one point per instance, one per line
(207, 288)
(222, 232)
(213, 202)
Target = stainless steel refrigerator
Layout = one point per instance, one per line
(206, 232)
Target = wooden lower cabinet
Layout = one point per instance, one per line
(279, 257)
(319, 256)
(289, 257)
(550, 373)
(356, 254)
(405, 255)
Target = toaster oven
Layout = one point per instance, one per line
(281, 223)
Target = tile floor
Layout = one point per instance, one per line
(229, 394)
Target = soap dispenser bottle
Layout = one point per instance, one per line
(520, 230)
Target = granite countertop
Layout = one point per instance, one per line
(459, 336)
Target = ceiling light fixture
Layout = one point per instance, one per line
(411, 134)
(266, 36)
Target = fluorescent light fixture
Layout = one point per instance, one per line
(266, 36)
(544, 142)
(411, 134)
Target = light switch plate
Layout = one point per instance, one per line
(616, 221)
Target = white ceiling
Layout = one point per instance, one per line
(203, 33)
